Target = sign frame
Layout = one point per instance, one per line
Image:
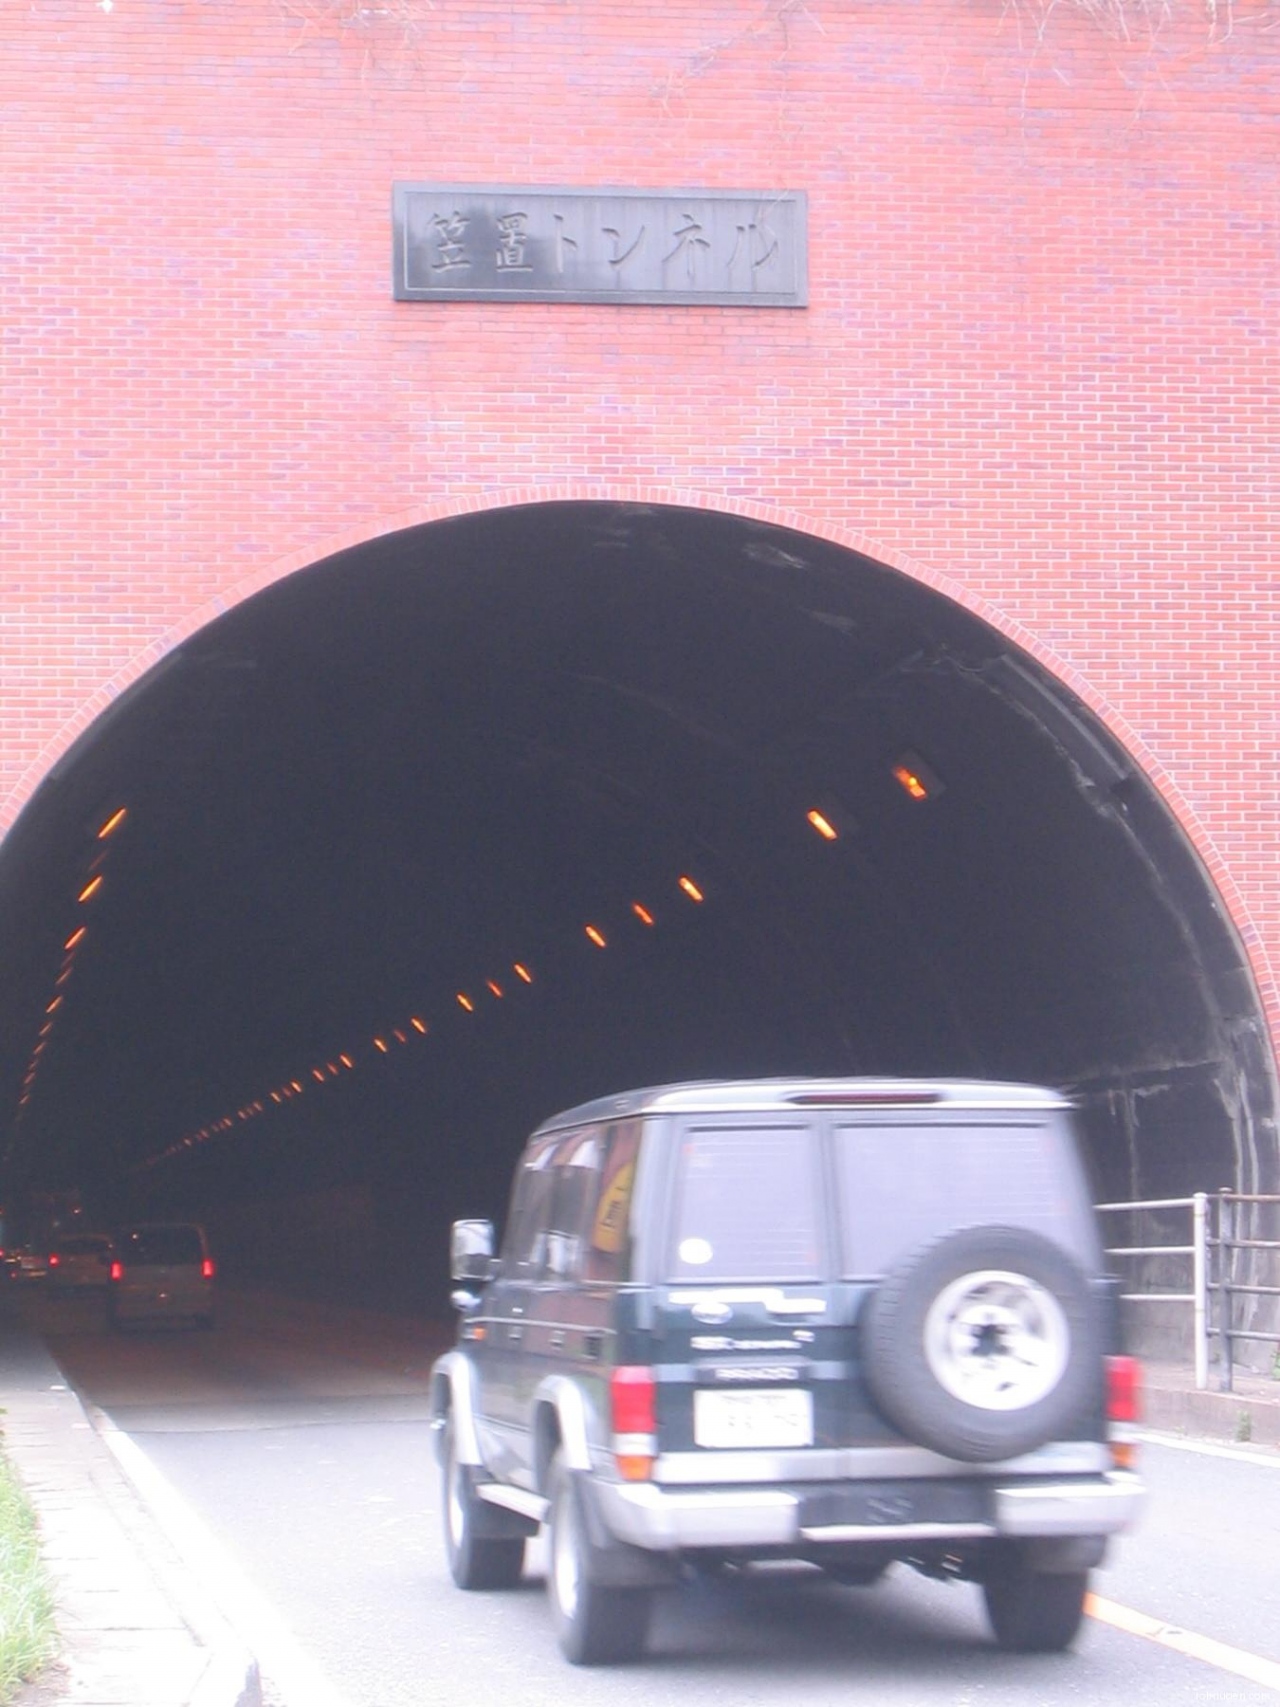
(550, 243)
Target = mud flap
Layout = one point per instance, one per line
(1063, 1555)
(613, 1563)
(498, 1523)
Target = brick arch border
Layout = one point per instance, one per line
(688, 498)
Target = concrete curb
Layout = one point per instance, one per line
(1249, 1416)
(137, 1628)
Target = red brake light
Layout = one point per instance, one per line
(1124, 1390)
(117, 1270)
(634, 1413)
(54, 1259)
(863, 1099)
(631, 1398)
(206, 1268)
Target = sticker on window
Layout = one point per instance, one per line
(695, 1252)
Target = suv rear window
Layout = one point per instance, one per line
(902, 1185)
(747, 1204)
(156, 1247)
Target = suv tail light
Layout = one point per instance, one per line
(206, 1269)
(54, 1259)
(117, 1270)
(633, 1412)
(1124, 1408)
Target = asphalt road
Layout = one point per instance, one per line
(299, 1438)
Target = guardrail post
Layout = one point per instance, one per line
(1226, 1264)
(1200, 1285)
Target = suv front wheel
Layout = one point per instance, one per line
(475, 1561)
(594, 1624)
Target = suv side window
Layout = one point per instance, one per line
(607, 1246)
(576, 1182)
(586, 1205)
(524, 1247)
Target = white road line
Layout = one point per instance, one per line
(1219, 1654)
(1267, 1456)
(281, 1659)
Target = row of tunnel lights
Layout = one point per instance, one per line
(911, 773)
(90, 886)
(393, 1036)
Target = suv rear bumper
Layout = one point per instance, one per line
(672, 1519)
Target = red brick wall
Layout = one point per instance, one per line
(1039, 366)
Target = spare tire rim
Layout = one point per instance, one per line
(996, 1340)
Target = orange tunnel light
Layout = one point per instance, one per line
(642, 913)
(416, 1023)
(596, 936)
(90, 889)
(76, 937)
(496, 988)
(914, 776)
(113, 823)
(691, 889)
(823, 825)
(466, 1002)
(522, 972)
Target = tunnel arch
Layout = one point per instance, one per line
(298, 561)
(1153, 1015)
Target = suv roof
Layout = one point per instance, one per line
(739, 1096)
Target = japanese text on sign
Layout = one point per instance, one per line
(459, 242)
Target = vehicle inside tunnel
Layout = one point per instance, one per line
(501, 813)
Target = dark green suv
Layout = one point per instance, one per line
(846, 1321)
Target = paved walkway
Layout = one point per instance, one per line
(137, 1628)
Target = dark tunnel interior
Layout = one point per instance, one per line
(393, 779)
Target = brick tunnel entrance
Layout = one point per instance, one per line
(501, 813)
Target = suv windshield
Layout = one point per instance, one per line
(747, 1204)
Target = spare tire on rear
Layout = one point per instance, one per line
(984, 1344)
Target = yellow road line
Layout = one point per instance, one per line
(1220, 1654)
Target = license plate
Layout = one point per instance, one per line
(754, 1418)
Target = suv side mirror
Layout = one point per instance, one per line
(471, 1250)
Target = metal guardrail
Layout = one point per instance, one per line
(1213, 1263)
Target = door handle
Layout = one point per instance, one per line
(557, 1339)
(515, 1331)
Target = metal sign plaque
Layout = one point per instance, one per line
(488, 243)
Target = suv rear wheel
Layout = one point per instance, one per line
(595, 1625)
(475, 1561)
(1033, 1612)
